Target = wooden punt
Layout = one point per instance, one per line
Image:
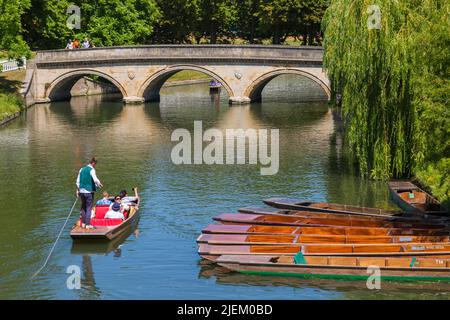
(391, 268)
(299, 221)
(105, 231)
(412, 199)
(313, 214)
(296, 204)
(212, 251)
(237, 239)
(309, 230)
(342, 216)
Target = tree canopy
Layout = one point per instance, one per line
(43, 24)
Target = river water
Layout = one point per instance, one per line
(40, 155)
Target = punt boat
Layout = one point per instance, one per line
(212, 252)
(299, 221)
(391, 268)
(313, 214)
(341, 216)
(107, 229)
(295, 204)
(315, 230)
(237, 239)
(412, 199)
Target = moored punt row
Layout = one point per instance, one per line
(212, 252)
(394, 268)
(301, 221)
(316, 230)
(304, 239)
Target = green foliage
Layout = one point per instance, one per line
(282, 18)
(372, 70)
(216, 18)
(436, 176)
(178, 19)
(45, 24)
(9, 104)
(431, 86)
(11, 39)
(395, 86)
(116, 22)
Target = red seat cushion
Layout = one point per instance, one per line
(106, 222)
(100, 211)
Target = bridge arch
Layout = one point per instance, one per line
(151, 87)
(59, 88)
(254, 90)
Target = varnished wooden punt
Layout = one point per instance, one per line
(108, 232)
(393, 268)
(236, 239)
(313, 214)
(308, 230)
(412, 199)
(299, 221)
(295, 204)
(211, 252)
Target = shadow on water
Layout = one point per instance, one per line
(87, 249)
(348, 289)
(89, 110)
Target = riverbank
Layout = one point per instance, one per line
(11, 103)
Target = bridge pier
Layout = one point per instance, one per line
(239, 100)
(133, 100)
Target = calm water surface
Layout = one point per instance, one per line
(41, 153)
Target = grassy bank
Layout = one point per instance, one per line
(188, 75)
(10, 100)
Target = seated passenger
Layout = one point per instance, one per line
(127, 199)
(105, 200)
(115, 210)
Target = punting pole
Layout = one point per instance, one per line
(54, 244)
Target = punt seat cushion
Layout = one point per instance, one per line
(106, 222)
(100, 211)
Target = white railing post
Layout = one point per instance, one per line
(11, 65)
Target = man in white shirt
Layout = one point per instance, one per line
(115, 210)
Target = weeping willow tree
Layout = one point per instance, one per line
(369, 62)
(431, 95)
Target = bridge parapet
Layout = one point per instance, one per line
(257, 53)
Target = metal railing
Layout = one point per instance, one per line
(11, 65)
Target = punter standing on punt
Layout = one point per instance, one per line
(87, 183)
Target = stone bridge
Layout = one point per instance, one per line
(140, 71)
